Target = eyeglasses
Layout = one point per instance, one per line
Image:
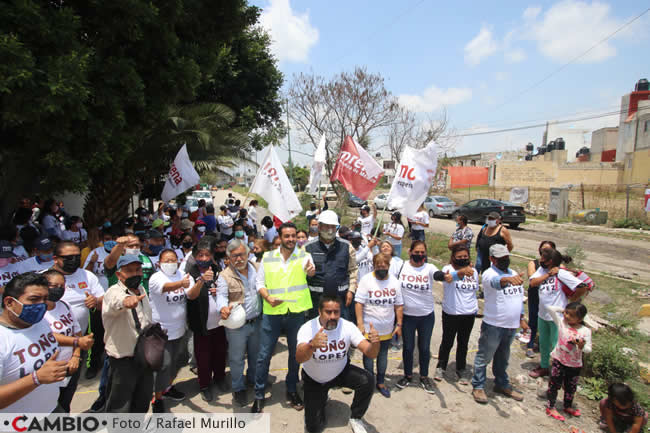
(238, 256)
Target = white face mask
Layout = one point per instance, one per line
(169, 268)
(132, 251)
(80, 225)
(201, 229)
(491, 223)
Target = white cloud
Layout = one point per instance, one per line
(531, 12)
(481, 47)
(515, 56)
(571, 27)
(292, 33)
(434, 98)
(501, 76)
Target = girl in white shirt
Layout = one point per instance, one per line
(394, 233)
(419, 222)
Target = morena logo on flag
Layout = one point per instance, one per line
(356, 169)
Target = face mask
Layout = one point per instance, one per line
(219, 255)
(457, 225)
(108, 245)
(169, 268)
(313, 229)
(201, 229)
(128, 231)
(71, 264)
(144, 219)
(356, 243)
(45, 257)
(132, 251)
(79, 225)
(187, 245)
(251, 245)
(301, 242)
(156, 249)
(259, 255)
(461, 262)
(491, 223)
(381, 274)
(55, 293)
(239, 234)
(204, 264)
(503, 263)
(328, 235)
(418, 258)
(313, 207)
(133, 282)
(32, 313)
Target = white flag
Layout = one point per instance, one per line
(413, 177)
(317, 166)
(182, 176)
(272, 184)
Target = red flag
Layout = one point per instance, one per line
(356, 169)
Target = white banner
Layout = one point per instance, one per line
(519, 195)
(182, 176)
(413, 177)
(272, 184)
(317, 166)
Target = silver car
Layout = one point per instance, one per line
(381, 201)
(438, 205)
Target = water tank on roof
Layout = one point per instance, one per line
(530, 147)
(642, 85)
(550, 147)
(584, 151)
(559, 143)
(541, 150)
(529, 157)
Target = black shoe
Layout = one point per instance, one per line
(426, 383)
(404, 382)
(258, 406)
(98, 405)
(206, 395)
(295, 401)
(221, 385)
(173, 394)
(240, 397)
(91, 373)
(158, 406)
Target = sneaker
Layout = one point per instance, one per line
(440, 373)
(158, 406)
(173, 394)
(404, 382)
(91, 373)
(357, 425)
(426, 383)
(509, 392)
(346, 391)
(530, 353)
(479, 396)
(206, 395)
(258, 406)
(240, 397)
(98, 405)
(295, 400)
(464, 376)
(395, 348)
(383, 390)
(539, 372)
(222, 385)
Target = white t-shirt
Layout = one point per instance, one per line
(214, 315)
(98, 267)
(460, 296)
(364, 261)
(417, 288)
(9, 272)
(76, 237)
(32, 265)
(379, 298)
(550, 292)
(23, 351)
(63, 322)
(326, 364)
(395, 266)
(420, 217)
(503, 305)
(225, 223)
(366, 224)
(76, 286)
(395, 229)
(311, 212)
(52, 226)
(169, 308)
(252, 213)
(20, 252)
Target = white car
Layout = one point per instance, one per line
(381, 201)
(438, 205)
(203, 194)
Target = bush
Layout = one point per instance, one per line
(630, 223)
(594, 388)
(607, 362)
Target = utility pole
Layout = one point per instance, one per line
(289, 143)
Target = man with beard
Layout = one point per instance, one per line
(323, 345)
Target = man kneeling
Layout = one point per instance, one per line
(323, 345)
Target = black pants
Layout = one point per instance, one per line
(562, 375)
(358, 379)
(131, 386)
(96, 361)
(533, 310)
(66, 394)
(459, 327)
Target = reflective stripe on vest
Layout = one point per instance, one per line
(288, 283)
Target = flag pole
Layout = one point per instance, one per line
(383, 212)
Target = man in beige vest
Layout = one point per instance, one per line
(236, 285)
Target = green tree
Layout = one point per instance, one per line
(300, 176)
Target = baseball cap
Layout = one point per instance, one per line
(153, 234)
(494, 215)
(354, 235)
(44, 244)
(200, 223)
(344, 231)
(328, 217)
(127, 260)
(157, 223)
(186, 224)
(498, 251)
(6, 250)
(365, 207)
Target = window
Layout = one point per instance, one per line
(460, 163)
(389, 165)
(473, 163)
(473, 203)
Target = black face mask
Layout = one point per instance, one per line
(418, 258)
(187, 245)
(356, 243)
(71, 263)
(259, 255)
(55, 293)
(219, 255)
(381, 274)
(503, 263)
(461, 262)
(133, 282)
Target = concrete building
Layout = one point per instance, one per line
(242, 171)
(603, 144)
(574, 138)
(635, 108)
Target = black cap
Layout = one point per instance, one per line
(344, 231)
(153, 234)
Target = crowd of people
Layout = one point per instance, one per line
(227, 286)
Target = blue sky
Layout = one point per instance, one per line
(472, 59)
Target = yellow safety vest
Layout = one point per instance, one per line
(289, 284)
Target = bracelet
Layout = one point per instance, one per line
(35, 378)
(75, 343)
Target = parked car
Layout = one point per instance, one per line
(477, 210)
(203, 194)
(354, 201)
(438, 205)
(381, 201)
(192, 204)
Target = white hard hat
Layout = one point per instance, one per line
(236, 319)
(328, 217)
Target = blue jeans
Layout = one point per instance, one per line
(382, 362)
(103, 380)
(424, 326)
(397, 250)
(417, 235)
(493, 345)
(272, 326)
(241, 342)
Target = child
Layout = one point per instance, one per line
(573, 339)
(619, 411)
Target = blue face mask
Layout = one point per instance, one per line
(31, 313)
(108, 245)
(45, 257)
(203, 263)
(239, 234)
(156, 249)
